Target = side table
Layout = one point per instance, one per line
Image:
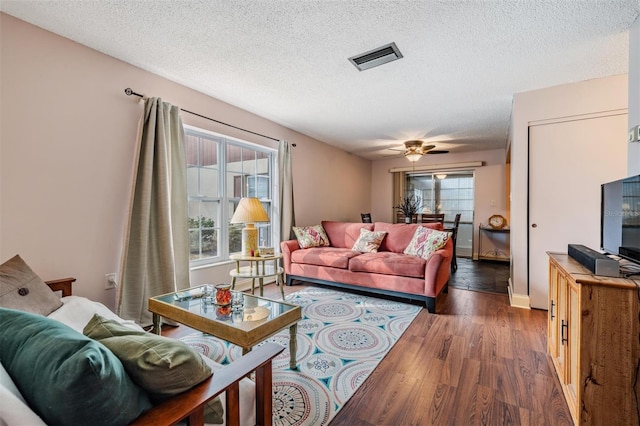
(259, 267)
(495, 253)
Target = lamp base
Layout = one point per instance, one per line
(249, 239)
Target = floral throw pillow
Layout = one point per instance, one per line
(369, 241)
(425, 241)
(311, 236)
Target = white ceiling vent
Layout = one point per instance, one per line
(375, 57)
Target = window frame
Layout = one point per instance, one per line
(225, 200)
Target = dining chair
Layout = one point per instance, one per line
(454, 237)
(432, 217)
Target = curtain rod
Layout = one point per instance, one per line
(438, 167)
(130, 92)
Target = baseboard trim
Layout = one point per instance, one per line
(518, 300)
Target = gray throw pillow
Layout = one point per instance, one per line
(23, 290)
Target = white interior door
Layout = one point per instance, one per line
(568, 161)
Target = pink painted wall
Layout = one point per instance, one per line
(67, 143)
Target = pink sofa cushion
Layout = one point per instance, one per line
(324, 256)
(389, 263)
(399, 235)
(344, 234)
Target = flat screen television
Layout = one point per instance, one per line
(620, 218)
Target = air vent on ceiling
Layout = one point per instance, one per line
(375, 57)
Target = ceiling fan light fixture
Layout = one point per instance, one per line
(441, 176)
(413, 150)
(412, 156)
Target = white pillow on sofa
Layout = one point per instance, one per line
(76, 312)
(14, 409)
(7, 382)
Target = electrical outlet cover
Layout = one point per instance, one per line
(110, 281)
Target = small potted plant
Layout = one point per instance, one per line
(409, 206)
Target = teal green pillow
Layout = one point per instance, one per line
(161, 366)
(65, 377)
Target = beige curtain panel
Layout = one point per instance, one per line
(399, 179)
(156, 248)
(285, 185)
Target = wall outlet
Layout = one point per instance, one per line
(110, 281)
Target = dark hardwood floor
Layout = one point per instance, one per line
(481, 275)
(478, 361)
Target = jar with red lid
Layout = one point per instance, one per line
(223, 294)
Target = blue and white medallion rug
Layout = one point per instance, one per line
(341, 339)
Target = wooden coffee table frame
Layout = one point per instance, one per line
(225, 330)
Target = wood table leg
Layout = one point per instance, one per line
(280, 282)
(157, 328)
(260, 283)
(293, 346)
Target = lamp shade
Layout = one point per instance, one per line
(249, 210)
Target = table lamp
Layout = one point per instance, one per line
(249, 211)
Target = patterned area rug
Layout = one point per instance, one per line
(341, 339)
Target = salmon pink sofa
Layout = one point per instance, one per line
(388, 271)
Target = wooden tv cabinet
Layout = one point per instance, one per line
(593, 339)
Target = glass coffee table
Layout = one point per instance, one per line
(259, 318)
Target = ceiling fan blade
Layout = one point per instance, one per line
(437, 151)
(426, 148)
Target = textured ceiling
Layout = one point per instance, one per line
(288, 60)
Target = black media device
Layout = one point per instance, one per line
(597, 263)
(620, 218)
